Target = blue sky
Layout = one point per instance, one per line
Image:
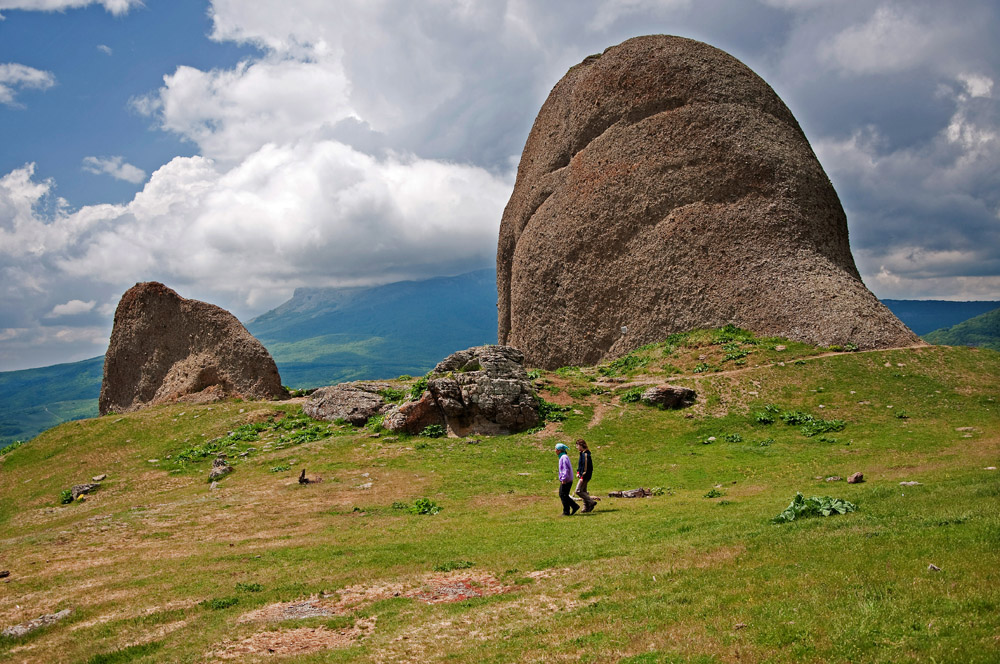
(238, 149)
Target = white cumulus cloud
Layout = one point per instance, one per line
(72, 308)
(116, 167)
(15, 76)
(116, 7)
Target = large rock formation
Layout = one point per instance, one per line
(664, 187)
(482, 390)
(164, 347)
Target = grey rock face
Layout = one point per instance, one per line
(16, 631)
(669, 396)
(166, 348)
(81, 489)
(664, 187)
(220, 468)
(351, 402)
(481, 390)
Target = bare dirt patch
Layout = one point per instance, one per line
(455, 588)
(299, 641)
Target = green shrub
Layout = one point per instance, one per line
(550, 412)
(733, 438)
(817, 426)
(10, 448)
(802, 507)
(534, 374)
(419, 387)
(433, 431)
(249, 587)
(400, 506)
(702, 367)
(374, 423)
(391, 394)
(219, 603)
(632, 394)
(280, 469)
(424, 506)
(66, 496)
(714, 493)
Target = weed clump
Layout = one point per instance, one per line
(802, 507)
(219, 603)
(433, 431)
(424, 506)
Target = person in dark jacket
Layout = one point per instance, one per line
(584, 471)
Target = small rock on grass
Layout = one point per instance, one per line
(909, 484)
(4, 573)
(834, 478)
(39, 622)
(100, 478)
(933, 568)
(856, 478)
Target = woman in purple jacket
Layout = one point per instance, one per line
(570, 506)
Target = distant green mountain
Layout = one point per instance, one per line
(33, 400)
(983, 331)
(328, 335)
(923, 316)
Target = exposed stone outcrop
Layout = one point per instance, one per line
(665, 187)
(351, 402)
(220, 468)
(165, 348)
(482, 390)
(83, 489)
(669, 396)
(17, 631)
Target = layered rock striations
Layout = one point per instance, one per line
(664, 186)
(165, 347)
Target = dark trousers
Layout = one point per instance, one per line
(569, 505)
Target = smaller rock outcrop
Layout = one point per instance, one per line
(82, 489)
(669, 396)
(166, 348)
(481, 390)
(24, 629)
(856, 478)
(220, 468)
(352, 402)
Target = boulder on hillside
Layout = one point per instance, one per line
(481, 390)
(352, 402)
(167, 348)
(669, 396)
(664, 187)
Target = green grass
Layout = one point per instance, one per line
(662, 579)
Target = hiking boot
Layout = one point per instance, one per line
(575, 508)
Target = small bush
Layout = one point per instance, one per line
(763, 417)
(249, 587)
(374, 423)
(550, 412)
(419, 387)
(453, 565)
(767, 442)
(714, 493)
(219, 603)
(280, 469)
(66, 496)
(733, 438)
(702, 367)
(534, 374)
(392, 395)
(433, 431)
(424, 506)
(405, 377)
(902, 415)
(10, 448)
(802, 507)
(851, 347)
(632, 394)
(817, 426)
(400, 506)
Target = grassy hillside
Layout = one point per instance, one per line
(159, 567)
(924, 316)
(35, 399)
(324, 336)
(983, 331)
